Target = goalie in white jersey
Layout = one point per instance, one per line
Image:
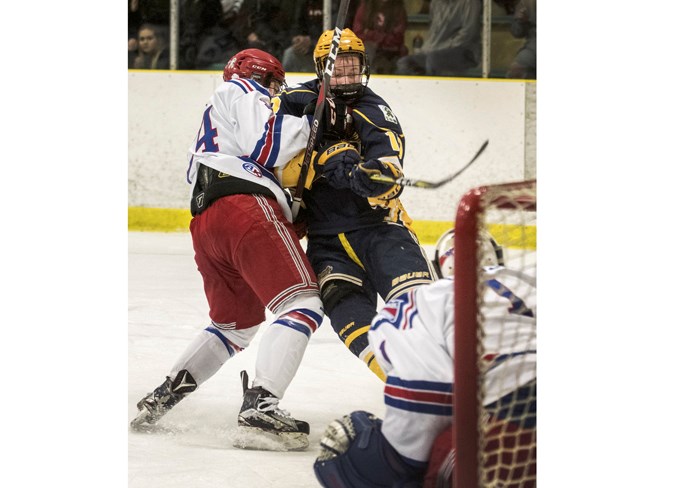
(413, 339)
(242, 218)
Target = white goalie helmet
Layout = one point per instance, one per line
(492, 252)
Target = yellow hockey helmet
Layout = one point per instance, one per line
(349, 44)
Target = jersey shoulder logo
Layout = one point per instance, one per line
(252, 169)
(388, 114)
(398, 312)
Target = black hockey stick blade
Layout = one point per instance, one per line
(376, 176)
(319, 106)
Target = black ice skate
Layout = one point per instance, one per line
(262, 425)
(154, 405)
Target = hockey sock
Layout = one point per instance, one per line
(279, 356)
(205, 355)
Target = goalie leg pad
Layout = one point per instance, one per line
(355, 454)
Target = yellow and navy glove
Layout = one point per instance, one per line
(335, 162)
(363, 185)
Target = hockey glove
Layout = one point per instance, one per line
(336, 162)
(336, 123)
(361, 184)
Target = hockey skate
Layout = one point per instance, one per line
(262, 425)
(156, 404)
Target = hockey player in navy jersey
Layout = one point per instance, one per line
(413, 338)
(241, 218)
(360, 240)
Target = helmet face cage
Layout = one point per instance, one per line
(257, 65)
(349, 44)
(492, 253)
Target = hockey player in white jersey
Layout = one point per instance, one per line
(242, 218)
(413, 338)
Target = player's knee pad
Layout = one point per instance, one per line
(355, 454)
(303, 313)
(351, 331)
(336, 290)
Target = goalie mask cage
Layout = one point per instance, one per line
(488, 453)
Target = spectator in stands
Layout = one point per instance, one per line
(524, 26)
(299, 56)
(262, 24)
(306, 28)
(453, 43)
(153, 52)
(507, 5)
(381, 25)
(143, 12)
(196, 17)
(219, 42)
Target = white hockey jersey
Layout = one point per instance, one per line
(241, 136)
(413, 339)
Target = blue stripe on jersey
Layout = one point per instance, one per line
(261, 143)
(420, 384)
(428, 408)
(428, 397)
(518, 306)
(399, 312)
(223, 339)
(497, 360)
(275, 150)
(248, 86)
(263, 146)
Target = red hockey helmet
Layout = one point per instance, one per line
(257, 65)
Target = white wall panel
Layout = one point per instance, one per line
(444, 121)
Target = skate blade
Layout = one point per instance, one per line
(141, 424)
(144, 428)
(258, 439)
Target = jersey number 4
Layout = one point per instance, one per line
(207, 135)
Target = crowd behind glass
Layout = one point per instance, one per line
(403, 37)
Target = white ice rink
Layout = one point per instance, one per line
(167, 308)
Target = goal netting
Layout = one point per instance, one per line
(495, 441)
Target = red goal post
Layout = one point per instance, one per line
(508, 211)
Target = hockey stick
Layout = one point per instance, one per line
(319, 107)
(375, 175)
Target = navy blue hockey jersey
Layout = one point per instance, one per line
(331, 211)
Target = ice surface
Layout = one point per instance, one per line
(167, 308)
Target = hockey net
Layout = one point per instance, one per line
(490, 450)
